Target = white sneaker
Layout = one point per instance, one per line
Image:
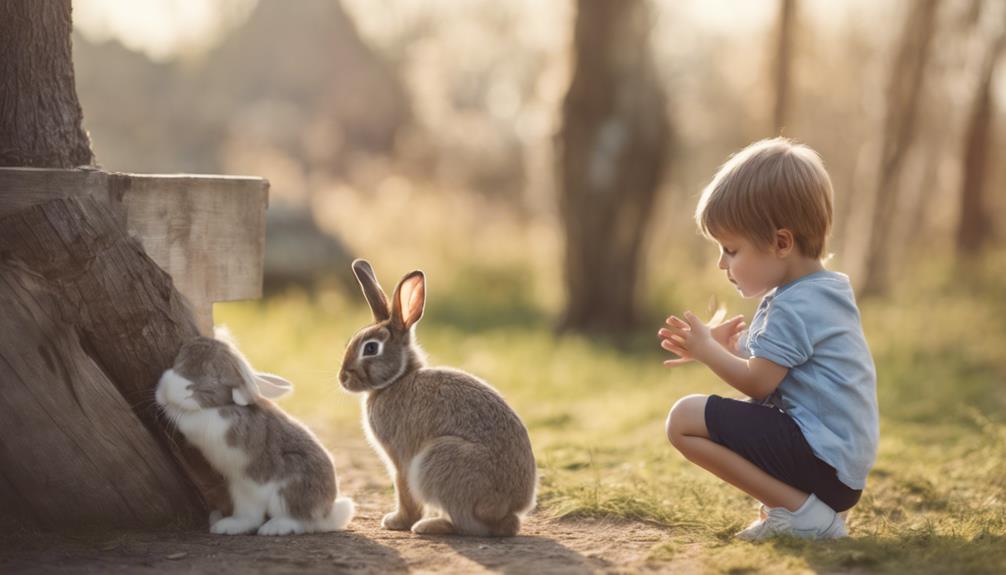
(754, 525)
(813, 520)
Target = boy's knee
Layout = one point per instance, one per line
(682, 418)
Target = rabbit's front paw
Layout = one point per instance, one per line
(434, 526)
(281, 526)
(397, 521)
(233, 526)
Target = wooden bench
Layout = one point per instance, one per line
(207, 232)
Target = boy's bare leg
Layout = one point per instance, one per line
(686, 429)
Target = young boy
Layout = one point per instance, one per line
(805, 442)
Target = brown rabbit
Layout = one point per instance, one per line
(449, 440)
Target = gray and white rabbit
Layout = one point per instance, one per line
(449, 440)
(274, 466)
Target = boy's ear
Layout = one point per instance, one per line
(784, 242)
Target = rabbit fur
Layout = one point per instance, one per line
(274, 466)
(450, 442)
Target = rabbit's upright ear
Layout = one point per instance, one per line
(409, 300)
(272, 386)
(371, 289)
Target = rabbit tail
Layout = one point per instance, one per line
(342, 512)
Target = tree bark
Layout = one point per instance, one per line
(783, 63)
(89, 322)
(86, 335)
(975, 226)
(901, 115)
(40, 118)
(612, 152)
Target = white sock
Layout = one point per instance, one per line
(813, 513)
(807, 503)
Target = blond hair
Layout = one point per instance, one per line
(770, 185)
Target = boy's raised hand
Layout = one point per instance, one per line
(729, 332)
(672, 341)
(686, 337)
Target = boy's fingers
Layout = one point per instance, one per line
(676, 350)
(676, 362)
(732, 323)
(692, 320)
(668, 332)
(669, 345)
(676, 321)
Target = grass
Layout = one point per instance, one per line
(936, 500)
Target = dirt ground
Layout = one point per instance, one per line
(544, 546)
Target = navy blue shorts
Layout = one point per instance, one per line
(770, 439)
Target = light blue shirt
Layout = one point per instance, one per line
(812, 326)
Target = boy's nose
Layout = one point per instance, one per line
(722, 263)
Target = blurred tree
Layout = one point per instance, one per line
(974, 226)
(40, 114)
(89, 321)
(900, 118)
(612, 149)
(292, 92)
(783, 62)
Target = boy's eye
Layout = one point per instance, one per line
(370, 348)
(730, 253)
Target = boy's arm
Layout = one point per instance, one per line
(755, 377)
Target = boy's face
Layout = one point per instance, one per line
(752, 269)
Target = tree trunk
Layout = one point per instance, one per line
(974, 226)
(612, 151)
(89, 321)
(783, 62)
(40, 118)
(902, 103)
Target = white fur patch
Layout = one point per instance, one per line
(207, 430)
(414, 476)
(173, 392)
(282, 526)
(253, 501)
(343, 510)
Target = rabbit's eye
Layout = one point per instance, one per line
(370, 348)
